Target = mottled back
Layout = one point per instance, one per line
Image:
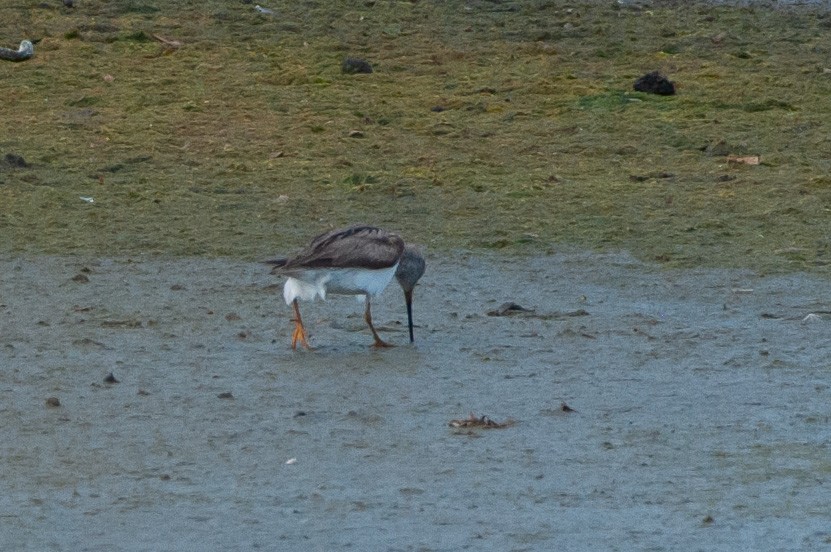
(353, 247)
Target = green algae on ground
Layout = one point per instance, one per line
(508, 125)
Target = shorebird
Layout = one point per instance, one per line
(358, 260)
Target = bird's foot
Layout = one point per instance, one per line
(381, 344)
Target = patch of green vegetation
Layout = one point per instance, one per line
(607, 101)
(224, 131)
(139, 7)
(766, 105)
(83, 101)
(136, 36)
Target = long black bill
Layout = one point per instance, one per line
(276, 264)
(408, 297)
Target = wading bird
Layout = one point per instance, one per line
(358, 260)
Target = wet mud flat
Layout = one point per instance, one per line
(699, 409)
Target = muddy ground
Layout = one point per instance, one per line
(701, 403)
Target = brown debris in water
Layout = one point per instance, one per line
(480, 422)
(513, 309)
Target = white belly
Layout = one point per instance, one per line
(341, 281)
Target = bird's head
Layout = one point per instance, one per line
(410, 269)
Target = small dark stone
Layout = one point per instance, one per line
(110, 378)
(69, 3)
(81, 278)
(508, 309)
(225, 395)
(16, 161)
(53, 402)
(438, 108)
(355, 65)
(644, 177)
(655, 83)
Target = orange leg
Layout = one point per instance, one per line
(299, 330)
(379, 343)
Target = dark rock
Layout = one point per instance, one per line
(25, 51)
(15, 161)
(645, 177)
(354, 65)
(508, 309)
(655, 83)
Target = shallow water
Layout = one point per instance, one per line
(701, 403)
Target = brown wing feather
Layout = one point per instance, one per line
(352, 247)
